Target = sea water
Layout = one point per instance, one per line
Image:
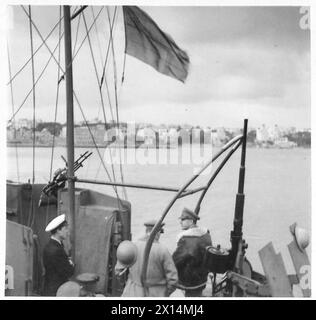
(277, 189)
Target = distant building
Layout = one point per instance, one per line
(148, 135)
(218, 137)
(44, 137)
(274, 133)
(83, 137)
(262, 134)
(284, 143)
(207, 135)
(11, 134)
(24, 123)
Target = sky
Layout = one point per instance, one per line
(245, 62)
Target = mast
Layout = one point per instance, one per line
(70, 127)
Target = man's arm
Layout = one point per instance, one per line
(182, 254)
(62, 264)
(171, 272)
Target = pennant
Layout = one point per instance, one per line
(145, 41)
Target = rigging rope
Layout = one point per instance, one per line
(26, 63)
(55, 117)
(56, 103)
(38, 78)
(86, 122)
(116, 99)
(97, 32)
(51, 57)
(103, 77)
(124, 60)
(123, 72)
(84, 39)
(78, 24)
(100, 92)
(74, 93)
(97, 148)
(33, 81)
(32, 215)
(95, 68)
(101, 56)
(13, 123)
(108, 50)
(52, 54)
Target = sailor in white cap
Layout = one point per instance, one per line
(58, 266)
(162, 275)
(189, 254)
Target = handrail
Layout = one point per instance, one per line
(152, 187)
(218, 169)
(128, 185)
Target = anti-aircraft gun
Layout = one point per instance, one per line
(238, 279)
(60, 177)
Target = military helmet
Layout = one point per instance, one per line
(301, 237)
(126, 254)
(69, 289)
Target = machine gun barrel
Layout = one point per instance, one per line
(60, 176)
(236, 234)
(79, 161)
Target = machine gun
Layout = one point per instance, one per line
(60, 177)
(232, 261)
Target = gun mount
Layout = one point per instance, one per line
(61, 176)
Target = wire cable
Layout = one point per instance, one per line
(52, 54)
(13, 123)
(97, 148)
(95, 68)
(74, 93)
(38, 78)
(31, 215)
(100, 92)
(26, 63)
(116, 99)
(56, 103)
(76, 40)
(97, 32)
(51, 57)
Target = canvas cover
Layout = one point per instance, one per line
(94, 231)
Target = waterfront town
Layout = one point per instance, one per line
(22, 133)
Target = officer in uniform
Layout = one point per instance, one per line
(189, 254)
(162, 274)
(58, 266)
(84, 286)
(88, 282)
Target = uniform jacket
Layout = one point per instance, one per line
(58, 269)
(189, 256)
(162, 274)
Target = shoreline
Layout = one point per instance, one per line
(28, 145)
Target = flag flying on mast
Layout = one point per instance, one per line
(145, 41)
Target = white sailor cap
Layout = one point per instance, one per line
(56, 222)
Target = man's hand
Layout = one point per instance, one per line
(71, 262)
